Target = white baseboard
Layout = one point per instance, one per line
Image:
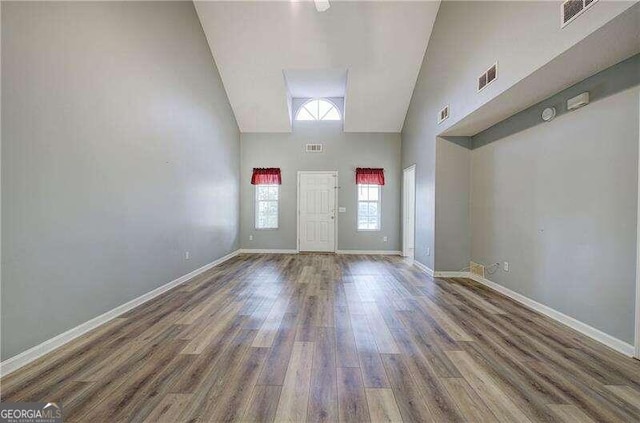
(14, 363)
(266, 251)
(422, 267)
(371, 252)
(450, 274)
(585, 329)
(286, 251)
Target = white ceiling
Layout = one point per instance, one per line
(380, 44)
(316, 83)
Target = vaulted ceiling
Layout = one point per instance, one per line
(380, 44)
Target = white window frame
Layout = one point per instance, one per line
(379, 202)
(316, 116)
(257, 202)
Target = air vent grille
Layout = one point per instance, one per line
(444, 114)
(313, 148)
(488, 77)
(476, 269)
(571, 9)
(492, 73)
(482, 81)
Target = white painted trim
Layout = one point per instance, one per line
(422, 267)
(637, 331)
(591, 332)
(14, 363)
(371, 252)
(291, 251)
(450, 274)
(598, 335)
(1, 186)
(405, 230)
(266, 251)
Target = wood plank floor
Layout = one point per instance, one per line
(332, 338)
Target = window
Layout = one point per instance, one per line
(318, 110)
(369, 207)
(267, 206)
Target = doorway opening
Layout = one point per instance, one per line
(408, 211)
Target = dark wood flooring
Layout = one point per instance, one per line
(332, 338)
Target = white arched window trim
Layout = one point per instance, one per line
(318, 109)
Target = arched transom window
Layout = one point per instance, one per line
(318, 109)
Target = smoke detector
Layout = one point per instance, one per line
(548, 114)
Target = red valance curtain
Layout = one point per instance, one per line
(371, 176)
(266, 176)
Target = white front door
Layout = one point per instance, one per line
(409, 211)
(316, 211)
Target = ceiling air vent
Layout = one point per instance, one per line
(313, 148)
(571, 9)
(488, 77)
(444, 114)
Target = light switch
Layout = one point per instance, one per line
(342, 209)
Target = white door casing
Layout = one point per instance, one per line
(408, 211)
(637, 311)
(317, 211)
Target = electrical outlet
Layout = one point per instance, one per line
(428, 251)
(187, 255)
(505, 266)
(250, 237)
(384, 239)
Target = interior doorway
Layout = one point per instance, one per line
(317, 201)
(408, 211)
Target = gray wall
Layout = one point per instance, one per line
(467, 38)
(558, 201)
(610, 81)
(120, 152)
(452, 158)
(453, 241)
(342, 152)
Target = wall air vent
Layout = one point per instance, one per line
(571, 9)
(313, 148)
(482, 81)
(488, 77)
(492, 73)
(444, 114)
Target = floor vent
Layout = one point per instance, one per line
(313, 148)
(476, 269)
(571, 9)
(444, 114)
(488, 77)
